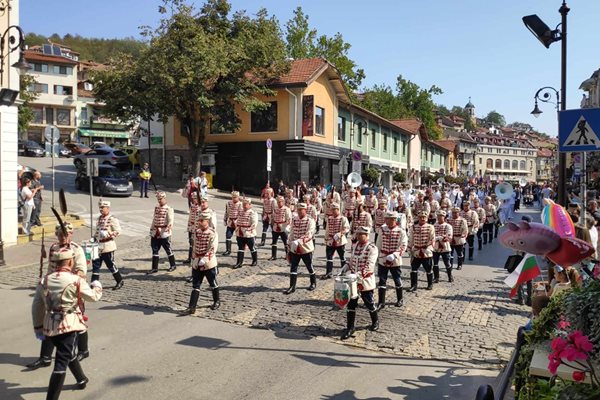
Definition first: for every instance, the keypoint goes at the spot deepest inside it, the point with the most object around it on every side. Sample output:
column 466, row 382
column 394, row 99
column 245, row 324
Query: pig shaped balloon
column 570, row 252
column 530, row 237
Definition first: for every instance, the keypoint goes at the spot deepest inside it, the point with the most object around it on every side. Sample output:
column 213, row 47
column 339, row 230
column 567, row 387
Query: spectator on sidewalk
column 145, row 177
column 37, row 199
column 202, row 183
column 28, row 205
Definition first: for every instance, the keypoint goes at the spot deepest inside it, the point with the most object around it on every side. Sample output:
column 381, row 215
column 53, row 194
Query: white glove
column 390, row 257
column 95, row 284
column 296, row 243
column 103, row 234
column 201, row 262
column 336, row 237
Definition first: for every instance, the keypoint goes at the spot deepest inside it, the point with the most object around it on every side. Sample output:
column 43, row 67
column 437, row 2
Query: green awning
column 104, row 133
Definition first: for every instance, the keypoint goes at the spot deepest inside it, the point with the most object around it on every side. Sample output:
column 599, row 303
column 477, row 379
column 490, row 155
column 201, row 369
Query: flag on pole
column 527, row 270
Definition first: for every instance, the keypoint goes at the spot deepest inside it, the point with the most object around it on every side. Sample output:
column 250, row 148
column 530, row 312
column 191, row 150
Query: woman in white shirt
column 28, row 205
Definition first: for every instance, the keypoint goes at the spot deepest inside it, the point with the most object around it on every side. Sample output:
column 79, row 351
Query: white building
column 507, row 158
column 592, row 87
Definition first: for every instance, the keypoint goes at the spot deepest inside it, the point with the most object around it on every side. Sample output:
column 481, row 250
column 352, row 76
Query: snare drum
column 91, row 250
column 352, row 281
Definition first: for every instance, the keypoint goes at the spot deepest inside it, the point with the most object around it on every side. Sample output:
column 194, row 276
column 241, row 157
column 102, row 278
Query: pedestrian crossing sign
column 579, row 130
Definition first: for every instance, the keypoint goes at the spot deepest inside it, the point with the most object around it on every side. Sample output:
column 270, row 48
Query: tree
column 399, row 177
column 495, row 118
column 464, row 114
column 371, row 175
column 25, row 112
column 304, row 42
column 199, row 64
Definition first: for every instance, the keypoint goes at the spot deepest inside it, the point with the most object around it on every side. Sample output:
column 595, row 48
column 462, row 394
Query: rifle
column 63, row 208
column 42, row 254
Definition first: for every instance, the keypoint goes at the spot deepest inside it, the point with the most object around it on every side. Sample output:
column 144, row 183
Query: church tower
column 470, row 108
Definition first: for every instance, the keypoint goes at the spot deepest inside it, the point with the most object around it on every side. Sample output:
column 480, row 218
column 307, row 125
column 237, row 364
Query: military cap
column 247, row 200
column 68, row 227
column 63, row 254
column 420, row 193
column 391, row 214
column 363, row 229
column 235, row 193
column 423, row 214
column 383, row 201
column 160, row 195
column 203, row 198
column 204, row 215
column 301, row 205
column 103, row 203
column 455, row 208
column 335, row 205
column 441, row 212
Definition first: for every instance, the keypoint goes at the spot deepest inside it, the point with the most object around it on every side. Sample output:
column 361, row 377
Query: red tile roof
column 302, row 72
column 448, row 144
column 411, row 125
column 31, row 55
column 545, row 153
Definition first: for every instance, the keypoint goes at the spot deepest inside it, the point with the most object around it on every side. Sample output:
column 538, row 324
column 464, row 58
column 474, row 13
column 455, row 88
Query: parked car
column 107, row 156
column 133, row 153
column 63, row 151
column 110, row 181
column 77, row 148
column 99, row 145
column 29, row 148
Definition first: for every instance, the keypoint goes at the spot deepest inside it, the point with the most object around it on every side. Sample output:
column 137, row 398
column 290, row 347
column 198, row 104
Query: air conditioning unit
column 207, row 160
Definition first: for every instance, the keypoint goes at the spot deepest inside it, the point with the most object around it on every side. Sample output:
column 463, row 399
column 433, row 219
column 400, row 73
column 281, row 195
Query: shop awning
column 104, row 133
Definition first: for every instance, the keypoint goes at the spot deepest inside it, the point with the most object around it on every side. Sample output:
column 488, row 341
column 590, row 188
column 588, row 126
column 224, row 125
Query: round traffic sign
column 356, row 156
column 51, row 133
column 269, row 144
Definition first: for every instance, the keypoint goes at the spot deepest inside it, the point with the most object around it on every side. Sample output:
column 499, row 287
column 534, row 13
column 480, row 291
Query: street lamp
column 13, row 39
column 548, row 36
column 545, row 94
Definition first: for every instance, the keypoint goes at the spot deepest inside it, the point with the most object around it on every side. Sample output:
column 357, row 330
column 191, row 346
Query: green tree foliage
column 302, row 41
column 408, row 100
column 464, row 114
column 25, row 113
column 495, row 118
column 198, row 64
column 371, row 175
column 96, row 49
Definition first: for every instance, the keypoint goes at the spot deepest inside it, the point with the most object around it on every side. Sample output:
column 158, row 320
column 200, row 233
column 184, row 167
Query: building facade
column 592, row 86
column 509, row 159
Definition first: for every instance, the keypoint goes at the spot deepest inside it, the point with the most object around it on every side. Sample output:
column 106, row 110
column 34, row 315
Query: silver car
column 106, row 156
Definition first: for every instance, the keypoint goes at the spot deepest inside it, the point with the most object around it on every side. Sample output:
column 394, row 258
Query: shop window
column 264, row 120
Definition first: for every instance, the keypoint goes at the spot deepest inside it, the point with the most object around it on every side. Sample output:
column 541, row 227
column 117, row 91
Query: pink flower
column 562, row 324
column 554, row 363
column 581, row 342
column 578, row 376
column 559, row 344
column 572, row 353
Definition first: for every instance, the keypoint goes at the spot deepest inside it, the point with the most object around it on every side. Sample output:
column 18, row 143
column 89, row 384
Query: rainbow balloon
column 557, row 218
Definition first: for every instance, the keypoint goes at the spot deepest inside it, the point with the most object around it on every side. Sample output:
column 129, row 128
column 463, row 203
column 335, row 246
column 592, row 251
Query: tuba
column 504, row 190
column 522, row 182
column 354, row 179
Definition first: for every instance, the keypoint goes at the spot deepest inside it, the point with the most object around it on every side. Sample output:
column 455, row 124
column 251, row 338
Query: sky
column 468, row 48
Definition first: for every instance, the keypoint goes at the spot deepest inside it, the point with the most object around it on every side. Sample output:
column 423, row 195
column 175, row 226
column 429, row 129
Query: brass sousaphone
column 504, row 190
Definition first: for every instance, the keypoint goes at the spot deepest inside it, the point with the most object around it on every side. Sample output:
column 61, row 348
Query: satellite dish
column 504, row 190
column 354, row 179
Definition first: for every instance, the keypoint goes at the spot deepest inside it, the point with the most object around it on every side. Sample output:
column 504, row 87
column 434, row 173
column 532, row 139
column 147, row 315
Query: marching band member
column 301, row 247
column 379, row 217
column 460, row 230
column 245, row 232
column 267, row 217
column 420, row 243
column 107, row 229
column 282, row 218
column 473, row 223
column 161, row 231
column 481, row 217
column 361, row 218
column 335, row 238
column 232, row 209
column 441, row 247
column 490, row 219
column 391, row 243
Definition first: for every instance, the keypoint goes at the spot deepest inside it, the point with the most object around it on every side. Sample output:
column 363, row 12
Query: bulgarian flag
column 525, row 271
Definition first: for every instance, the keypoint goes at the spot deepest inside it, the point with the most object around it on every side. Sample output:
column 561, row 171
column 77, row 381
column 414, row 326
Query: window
column 84, row 116
column 359, row 138
column 38, row 88
column 403, row 148
column 63, row 90
column 506, row 164
column 498, row 164
column 515, row 164
column 395, row 145
column 40, row 67
column 373, row 138
column 38, row 115
column 63, row 116
column 62, row 70
column 49, row 115
column 384, row 138
column 522, row 166
column 480, row 160
column 319, row 120
column 514, row 152
column 498, row 151
column 342, row 129
column 264, row 120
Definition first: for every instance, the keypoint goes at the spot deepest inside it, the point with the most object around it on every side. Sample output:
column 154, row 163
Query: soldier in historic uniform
column 434, row 206
column 311, row 210
column 392, row 244
column 371, row 202
column 420, row 244
column 350, row 203
column 381, row 194
column 335, row 238
column 460, row 230
column 327, row 210
column 192, row 222
column 490, row 219
column 361, row 218
column 445, row 203
column 405, row 216
column 481, row 218
column 245, row 233
column 161, row 231
column 204, row 263
column 420, row 204
column 379, row 217
column 79, row 268
column 290, row 200
column 316, row 201
column 301, row 247
column 269, row 204
column 205, row 208
column 473, row 223
column 232, row 210
column 363, row 258
column 56, row 315
column 282, row 218
column 107, row 229
column 441, row 247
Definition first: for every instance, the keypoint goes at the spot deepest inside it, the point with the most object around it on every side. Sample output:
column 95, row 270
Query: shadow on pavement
column 15, row 391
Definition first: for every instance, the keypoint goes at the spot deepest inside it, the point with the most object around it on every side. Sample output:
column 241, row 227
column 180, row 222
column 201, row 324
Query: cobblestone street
column 469, row 320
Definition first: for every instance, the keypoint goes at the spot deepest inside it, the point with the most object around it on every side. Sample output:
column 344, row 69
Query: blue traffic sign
column 269, row 143
column 578, row 130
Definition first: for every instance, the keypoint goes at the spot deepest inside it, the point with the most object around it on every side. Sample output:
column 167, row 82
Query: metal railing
column 486, row 392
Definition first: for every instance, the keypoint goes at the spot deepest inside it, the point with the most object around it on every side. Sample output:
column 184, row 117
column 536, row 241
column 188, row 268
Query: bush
column 399, row 177
column 371, row 175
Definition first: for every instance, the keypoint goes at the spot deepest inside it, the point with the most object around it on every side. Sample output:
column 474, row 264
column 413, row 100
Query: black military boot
column 216, row 299
column 471, row 249
column 429, row 281
column 172, row 264
column 381, row 298
column 273, row 252
column 193, row 303
column 189, row 259
column 154, row 266
column 55, row 386
column 83, row 351
column 413, row 281
column 449, row 272
column 45, row 359
column 77, row 371
column 399, row 297
column 479, row 247
column 262, row 239
column 329, row 271
column 118, row 280
column 460, row 262
column 240, row 260
column 227, row 247
column 292, row 288
column 436, row 274
column 254, row 255
column 95, row 277
column 374, row 321
column 349, row 331
column 313, row 282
